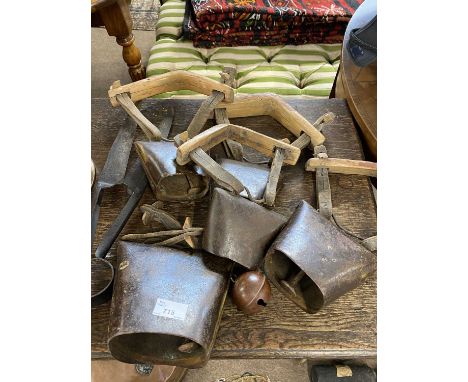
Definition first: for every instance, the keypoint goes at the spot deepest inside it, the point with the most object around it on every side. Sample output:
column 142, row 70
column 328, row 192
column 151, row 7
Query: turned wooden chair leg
column 132, row 56
column 118, row 22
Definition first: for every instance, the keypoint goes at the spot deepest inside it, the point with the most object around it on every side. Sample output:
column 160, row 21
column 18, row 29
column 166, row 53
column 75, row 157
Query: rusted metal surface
column 168, row 180
column 135, row 181
column 239, row 229
column 332, row 263
column 167, row 304
column 252, row 176
column 251, row 292
column 113, row 171
column 102, row 281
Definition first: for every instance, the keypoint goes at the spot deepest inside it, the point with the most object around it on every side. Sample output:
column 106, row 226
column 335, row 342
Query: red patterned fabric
column 267, row 22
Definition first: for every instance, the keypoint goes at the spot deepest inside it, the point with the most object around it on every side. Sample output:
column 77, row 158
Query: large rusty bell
column 251, row 292
column 167, row 304
column 240, row 230
column 313, row 263
column 167, row 179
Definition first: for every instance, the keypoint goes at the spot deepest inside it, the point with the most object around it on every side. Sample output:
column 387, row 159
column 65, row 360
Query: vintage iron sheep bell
column 313, row 263
column 167, row 304
column 239, row 229
column 168, row 180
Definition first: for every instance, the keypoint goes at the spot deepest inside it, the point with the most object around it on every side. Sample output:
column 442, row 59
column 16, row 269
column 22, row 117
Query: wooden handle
column 272, row 184
column 151, row 131
column 219, row 133
column 168, row 82
column 275, row 107
column 221, row 176
column 343, row 166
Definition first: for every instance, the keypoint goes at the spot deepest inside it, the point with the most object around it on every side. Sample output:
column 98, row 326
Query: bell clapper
column 292, row 282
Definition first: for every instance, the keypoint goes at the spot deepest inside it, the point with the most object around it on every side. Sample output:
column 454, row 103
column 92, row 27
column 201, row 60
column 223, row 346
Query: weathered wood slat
column 219, row 133
column 346, row 329
column 273, row 177
column 168, row 82
column 203, row 113
column 275, row 107
column 151, row 131
column 343, row 166
column 224, row 178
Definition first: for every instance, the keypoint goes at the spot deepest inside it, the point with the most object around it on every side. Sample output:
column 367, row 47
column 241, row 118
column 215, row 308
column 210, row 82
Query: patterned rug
column 145, row 13
column 212, row 23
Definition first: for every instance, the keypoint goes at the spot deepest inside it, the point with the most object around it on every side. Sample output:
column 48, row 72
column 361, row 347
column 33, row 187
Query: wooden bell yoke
column 245, row 106
column 168, row 82
column 274, row 106
column 194, row 149
column 222, row 105
column 219, row 133
column 126, row 95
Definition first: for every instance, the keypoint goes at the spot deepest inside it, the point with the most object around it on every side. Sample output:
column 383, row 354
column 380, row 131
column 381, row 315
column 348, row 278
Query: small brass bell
column 251, row 292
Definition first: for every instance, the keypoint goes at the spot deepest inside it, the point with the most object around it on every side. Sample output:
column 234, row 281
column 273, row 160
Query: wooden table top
column 346, row 329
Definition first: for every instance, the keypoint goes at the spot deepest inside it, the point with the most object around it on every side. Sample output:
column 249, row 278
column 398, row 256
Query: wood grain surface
column 344, row 330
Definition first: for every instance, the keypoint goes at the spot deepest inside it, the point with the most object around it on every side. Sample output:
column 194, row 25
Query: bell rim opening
column 272, row 256
column 122, row 351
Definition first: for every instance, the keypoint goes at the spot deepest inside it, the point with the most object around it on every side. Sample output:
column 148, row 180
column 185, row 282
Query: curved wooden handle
column 168, row 82
column 151, row 131
column 219, row 133
column 275, row 107
column 343, row 166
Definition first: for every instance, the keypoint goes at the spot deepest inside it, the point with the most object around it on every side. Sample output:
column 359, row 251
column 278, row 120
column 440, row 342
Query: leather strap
column 224, row 178
column 272, row 184
column 322, row 185
column 203, row 113
column 150, row 130
column 233, row 149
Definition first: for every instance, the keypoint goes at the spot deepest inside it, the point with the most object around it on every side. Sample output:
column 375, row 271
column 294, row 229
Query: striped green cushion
column 298, row 71
column 171, row 18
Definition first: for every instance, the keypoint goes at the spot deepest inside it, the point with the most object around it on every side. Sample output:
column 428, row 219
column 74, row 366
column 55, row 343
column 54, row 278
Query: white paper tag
column 170, row 309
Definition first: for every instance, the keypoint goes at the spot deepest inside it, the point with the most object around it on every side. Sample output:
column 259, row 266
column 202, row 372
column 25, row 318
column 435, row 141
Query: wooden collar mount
column 126, row 95
column 221, row 104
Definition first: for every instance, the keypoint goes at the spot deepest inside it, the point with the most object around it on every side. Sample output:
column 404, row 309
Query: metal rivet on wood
column 322, row 185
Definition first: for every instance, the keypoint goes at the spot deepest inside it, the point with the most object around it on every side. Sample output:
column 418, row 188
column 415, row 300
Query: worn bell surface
column 239, row 229
column 167, row 304
column 251, row 292
column 252, row 176
column 313, row 263
column 168, row 180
